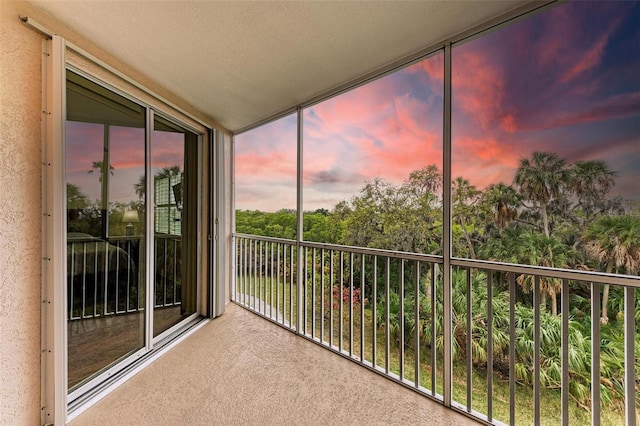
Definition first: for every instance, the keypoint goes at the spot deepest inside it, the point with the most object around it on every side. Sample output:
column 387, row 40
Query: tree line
column 554, row 214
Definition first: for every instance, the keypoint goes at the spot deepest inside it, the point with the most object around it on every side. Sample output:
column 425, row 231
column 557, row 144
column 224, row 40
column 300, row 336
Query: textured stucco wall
column 20, row 199
column 20, row 210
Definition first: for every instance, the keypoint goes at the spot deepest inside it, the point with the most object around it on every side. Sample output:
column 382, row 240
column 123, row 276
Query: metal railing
column 385, row 311
column 168, row 270
column 103, row 276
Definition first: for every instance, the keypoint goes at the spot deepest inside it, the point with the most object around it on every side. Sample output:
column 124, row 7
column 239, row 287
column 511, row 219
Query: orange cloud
column 478, row 86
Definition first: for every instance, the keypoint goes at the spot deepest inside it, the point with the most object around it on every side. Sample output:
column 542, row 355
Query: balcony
column 259, row 374
column 262, row 372
column 509, row 358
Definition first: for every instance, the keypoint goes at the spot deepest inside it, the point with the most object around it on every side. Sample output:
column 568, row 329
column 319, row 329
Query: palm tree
column 500, row 203
column 141, row 187
column 614, row 241
column 76, row 199
column 541, row 179
column 99, row 165
column 533, row 248
column 170, row 171
column 463, row 197
column 590, row 181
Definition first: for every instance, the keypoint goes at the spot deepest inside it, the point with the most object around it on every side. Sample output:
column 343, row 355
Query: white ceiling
column 240, row 62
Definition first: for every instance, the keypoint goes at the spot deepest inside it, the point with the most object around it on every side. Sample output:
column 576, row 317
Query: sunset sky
column 127, row 156
column 566, row 80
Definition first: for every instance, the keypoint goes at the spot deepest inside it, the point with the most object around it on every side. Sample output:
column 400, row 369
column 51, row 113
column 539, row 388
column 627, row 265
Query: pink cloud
column 592, row 56
column 478, row 86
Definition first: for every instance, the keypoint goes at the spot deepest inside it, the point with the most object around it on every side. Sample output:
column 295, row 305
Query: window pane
column 546, row 141
column 546, row 165
column 105, row 155
column 265, row 179
column 174, row 165
column 373, row 163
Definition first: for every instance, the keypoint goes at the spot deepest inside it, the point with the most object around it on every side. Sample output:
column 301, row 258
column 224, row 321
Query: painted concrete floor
column 243, row 370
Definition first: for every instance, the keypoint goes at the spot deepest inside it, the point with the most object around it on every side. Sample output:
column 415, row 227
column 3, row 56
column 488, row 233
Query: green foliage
column 554, row 214
column 281, row 224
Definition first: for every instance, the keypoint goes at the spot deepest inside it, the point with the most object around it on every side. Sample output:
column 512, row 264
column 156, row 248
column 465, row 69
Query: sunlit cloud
column 564, row 80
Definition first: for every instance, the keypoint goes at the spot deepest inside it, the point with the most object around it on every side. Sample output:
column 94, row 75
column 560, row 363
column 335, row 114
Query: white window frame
column 55, row 397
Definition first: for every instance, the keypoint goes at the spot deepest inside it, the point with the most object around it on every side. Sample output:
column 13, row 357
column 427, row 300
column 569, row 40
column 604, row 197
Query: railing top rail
column 376, row 252
column 351, row 249
column 571, row 274
column 359, row 250
column 263, row 238
column 578, row 275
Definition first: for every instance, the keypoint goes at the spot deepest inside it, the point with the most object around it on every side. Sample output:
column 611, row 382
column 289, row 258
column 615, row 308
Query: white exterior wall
column 20, row 218
column 21, row 205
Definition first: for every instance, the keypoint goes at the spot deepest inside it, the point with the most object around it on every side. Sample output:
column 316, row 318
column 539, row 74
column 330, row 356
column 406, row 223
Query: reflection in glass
column 265, row 179
column 105, row 152
column 174, row 168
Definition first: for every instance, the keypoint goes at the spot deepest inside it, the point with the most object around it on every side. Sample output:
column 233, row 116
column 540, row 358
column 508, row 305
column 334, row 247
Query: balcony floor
column 241, row 369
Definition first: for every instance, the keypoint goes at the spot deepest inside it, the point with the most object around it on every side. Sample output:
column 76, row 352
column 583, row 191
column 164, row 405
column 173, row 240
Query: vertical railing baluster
column 237, row 253
column 272, row 282
column 95, row 281
column 245, row 271
column 416, row 316
column 313, row 293
column 351, row 304
column 175, row 270
column 565, row 352
column 536, row 350
column 291, row 267
column 255, row 277
column 305, row 292
column 331, row 285
column 595, row 354
column 117, row 274
column 84, row 278
column 240, row 264
column 284, row 283
column 401, row 318
column 278, row 308
column 434, row 352
column 106, row 278
column 374, row 300
column 322, row 295
column 72, row 280
column 629, row 356
column 268, row 278
column 362, row 291
column 469, row 342
column 489, row 346
column 164, row 285
column 263, row 277
column 250, row 272
column 512, row 349
column 340, row 313
column 386, row 316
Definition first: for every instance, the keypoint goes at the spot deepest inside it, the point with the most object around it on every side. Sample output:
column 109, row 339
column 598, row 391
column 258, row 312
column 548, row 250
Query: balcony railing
column 503, row 354
column 103, row 276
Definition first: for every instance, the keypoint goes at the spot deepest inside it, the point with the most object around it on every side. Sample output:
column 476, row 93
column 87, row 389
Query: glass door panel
column 105, row 162
column 174, row 168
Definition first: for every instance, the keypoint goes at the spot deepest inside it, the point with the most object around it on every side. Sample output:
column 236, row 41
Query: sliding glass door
column 112, row 146
column 105, row 158
column 175, row 182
